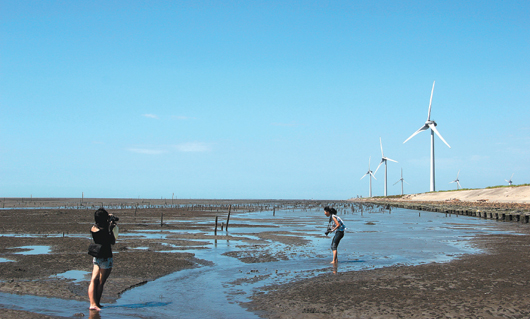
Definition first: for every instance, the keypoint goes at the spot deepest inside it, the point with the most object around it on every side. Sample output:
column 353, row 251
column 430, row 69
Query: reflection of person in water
column 103, row 235
column 94, row 315
column 335, row 225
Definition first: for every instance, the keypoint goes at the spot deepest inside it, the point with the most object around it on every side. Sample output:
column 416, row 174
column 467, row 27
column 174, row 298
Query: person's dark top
column 105, row 239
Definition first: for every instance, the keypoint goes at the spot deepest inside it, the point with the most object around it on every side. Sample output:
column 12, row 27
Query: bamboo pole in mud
column 161, row 219
column 215, row 225
column 228, row 219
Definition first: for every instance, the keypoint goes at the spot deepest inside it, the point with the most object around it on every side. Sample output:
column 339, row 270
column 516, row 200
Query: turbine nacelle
column 431, row 123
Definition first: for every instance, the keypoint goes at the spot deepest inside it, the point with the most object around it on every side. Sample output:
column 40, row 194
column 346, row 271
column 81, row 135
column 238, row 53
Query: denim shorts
column 103, row 263
column 336, row 239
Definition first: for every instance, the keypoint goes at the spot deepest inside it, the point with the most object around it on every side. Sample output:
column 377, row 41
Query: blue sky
column 259, row 99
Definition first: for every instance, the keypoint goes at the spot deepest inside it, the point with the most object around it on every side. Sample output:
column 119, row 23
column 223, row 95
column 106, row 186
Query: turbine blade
column 378, row 166
column 433, row 127
column 388, row 159
column 364, row 176
column 457, row 174
column 381, row 143
column 421, row 129
column 406, row 182
column 373, row 176
column 430, row 103
column 459, row 184
column 397, row 182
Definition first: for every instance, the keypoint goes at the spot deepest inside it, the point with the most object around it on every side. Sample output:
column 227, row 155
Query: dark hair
column 101, row 217
column 330, row 210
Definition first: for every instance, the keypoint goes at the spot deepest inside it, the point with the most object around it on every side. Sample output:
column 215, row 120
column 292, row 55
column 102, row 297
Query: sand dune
column 520, row 194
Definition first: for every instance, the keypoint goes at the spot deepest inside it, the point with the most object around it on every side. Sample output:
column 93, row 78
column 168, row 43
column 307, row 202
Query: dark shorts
column 336, row 239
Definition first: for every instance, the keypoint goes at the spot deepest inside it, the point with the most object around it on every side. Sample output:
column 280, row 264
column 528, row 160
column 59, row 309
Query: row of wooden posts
column 227, row 220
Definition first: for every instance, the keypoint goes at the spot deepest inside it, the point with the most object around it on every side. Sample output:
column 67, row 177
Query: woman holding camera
column 103, row 235
column 335, row 225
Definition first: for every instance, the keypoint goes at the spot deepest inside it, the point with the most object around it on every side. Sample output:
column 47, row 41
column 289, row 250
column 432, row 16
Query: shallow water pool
column 372, row 240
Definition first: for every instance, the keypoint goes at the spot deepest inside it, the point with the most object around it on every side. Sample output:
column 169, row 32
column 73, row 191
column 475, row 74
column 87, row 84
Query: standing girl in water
column 103, row 235
column 335, row 225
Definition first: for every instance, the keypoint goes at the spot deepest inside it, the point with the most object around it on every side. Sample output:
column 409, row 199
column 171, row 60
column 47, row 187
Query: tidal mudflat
column 273, row 262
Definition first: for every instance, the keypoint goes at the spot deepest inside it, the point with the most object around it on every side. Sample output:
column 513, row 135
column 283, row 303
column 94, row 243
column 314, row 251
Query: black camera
column 113, row 218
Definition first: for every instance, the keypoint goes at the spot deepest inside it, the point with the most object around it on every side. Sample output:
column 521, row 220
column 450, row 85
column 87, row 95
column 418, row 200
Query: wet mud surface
column 488, row 285
column 62, row 236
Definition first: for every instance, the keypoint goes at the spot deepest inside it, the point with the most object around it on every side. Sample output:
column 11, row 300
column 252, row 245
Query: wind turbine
column 457, row 181
column 370, row 173
column 510, row 181
column 432, row 125
column 401, row 180
column 383, row 159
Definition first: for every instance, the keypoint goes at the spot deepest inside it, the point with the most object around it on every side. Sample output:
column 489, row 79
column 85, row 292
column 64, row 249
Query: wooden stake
column 228, row 219
column 216, row 225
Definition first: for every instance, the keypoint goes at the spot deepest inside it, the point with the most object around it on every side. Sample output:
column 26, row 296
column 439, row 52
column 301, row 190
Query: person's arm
column 111, row 237
column 336, row 222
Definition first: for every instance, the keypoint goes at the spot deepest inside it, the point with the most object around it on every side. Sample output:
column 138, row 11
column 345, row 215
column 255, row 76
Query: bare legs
column 335, row 259
column 95, row 289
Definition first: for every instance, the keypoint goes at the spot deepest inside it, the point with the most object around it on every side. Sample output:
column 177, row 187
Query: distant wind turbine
column 432, row 125
column 457, row 181
column 401, row 180
column 370, row 173
column 510, row 181
column 383, row 160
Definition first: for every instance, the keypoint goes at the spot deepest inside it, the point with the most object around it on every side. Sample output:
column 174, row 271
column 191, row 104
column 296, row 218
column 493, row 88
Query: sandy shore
column 511, row 195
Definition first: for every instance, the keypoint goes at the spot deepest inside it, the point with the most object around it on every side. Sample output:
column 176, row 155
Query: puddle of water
column 33, row 250
column 75, row 275
column 372, row 240
column 4, row 260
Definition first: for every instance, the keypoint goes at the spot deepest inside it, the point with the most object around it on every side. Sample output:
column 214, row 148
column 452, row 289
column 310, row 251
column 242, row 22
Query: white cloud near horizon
column 193, row 147
column 151, row 116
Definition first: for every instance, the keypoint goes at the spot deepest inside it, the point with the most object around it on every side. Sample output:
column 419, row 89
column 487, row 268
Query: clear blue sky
column 259, row 99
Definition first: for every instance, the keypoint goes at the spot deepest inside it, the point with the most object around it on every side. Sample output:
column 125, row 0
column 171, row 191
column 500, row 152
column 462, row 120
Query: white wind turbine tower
column 457, row 181
column 370, row 173
column 401, row 180
column 432, row 125
column 510, row 181
column 383, row 159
